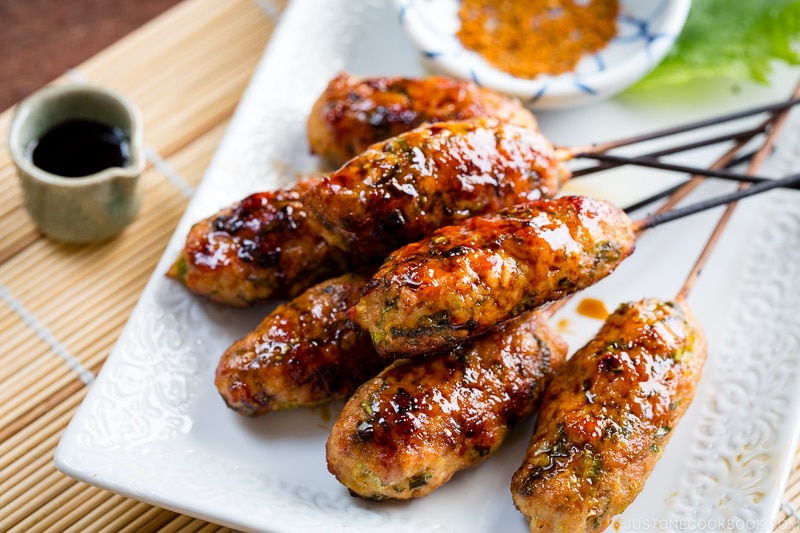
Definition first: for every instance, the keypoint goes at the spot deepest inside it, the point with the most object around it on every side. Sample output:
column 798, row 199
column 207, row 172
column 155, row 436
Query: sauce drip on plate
column 592, row 308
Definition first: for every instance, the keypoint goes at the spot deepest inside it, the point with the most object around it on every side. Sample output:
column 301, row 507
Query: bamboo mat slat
column 128, row 515
column 62, row 307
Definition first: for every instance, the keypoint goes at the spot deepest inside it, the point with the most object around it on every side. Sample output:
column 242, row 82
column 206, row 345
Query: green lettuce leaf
column 736, row 39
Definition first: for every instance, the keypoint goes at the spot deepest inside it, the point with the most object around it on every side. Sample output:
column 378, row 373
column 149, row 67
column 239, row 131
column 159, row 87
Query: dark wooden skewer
column 652, row 160
column 657, row 219
column 569, row 153
column 696, row 180
column 644, row 202
column 672, row 191
column 708, row 172
column 745, row 135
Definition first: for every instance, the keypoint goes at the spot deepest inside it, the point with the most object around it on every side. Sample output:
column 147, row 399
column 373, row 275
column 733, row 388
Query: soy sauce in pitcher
column 80, row 147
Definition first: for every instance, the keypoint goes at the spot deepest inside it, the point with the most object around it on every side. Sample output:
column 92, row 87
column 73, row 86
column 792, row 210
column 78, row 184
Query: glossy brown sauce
column 563, row 326
column 592, row 308
column 77, row 148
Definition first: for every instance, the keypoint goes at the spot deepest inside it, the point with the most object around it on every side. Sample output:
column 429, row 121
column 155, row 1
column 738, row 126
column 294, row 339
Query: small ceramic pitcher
column 86, row 208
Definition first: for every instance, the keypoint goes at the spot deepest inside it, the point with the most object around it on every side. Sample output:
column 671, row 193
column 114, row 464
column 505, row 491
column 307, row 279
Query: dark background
column 42, row 39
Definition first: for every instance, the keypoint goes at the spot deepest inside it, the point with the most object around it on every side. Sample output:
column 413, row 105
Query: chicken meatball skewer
column 306, row 352
column 353, row 113
column 607, row 415
column 405, row 432
column 462, row 280
column 401, row 189
column 260, row 249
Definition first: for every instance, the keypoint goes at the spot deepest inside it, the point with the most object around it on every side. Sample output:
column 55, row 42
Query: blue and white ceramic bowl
column 646, row 30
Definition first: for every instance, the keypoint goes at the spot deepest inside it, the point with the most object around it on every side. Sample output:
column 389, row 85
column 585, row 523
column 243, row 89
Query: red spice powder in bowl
column 550, row 53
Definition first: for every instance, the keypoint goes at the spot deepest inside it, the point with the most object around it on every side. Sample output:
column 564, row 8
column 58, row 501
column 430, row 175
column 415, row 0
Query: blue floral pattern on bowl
column 646, row 30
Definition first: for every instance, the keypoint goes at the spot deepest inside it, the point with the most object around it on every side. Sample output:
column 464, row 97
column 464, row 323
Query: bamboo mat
column 60, row 304
column 62, row 307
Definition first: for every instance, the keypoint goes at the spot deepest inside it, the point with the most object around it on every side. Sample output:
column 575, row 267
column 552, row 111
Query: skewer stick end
column 565, row 154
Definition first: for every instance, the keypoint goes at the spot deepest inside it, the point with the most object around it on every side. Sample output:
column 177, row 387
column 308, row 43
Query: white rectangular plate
column 153, row 427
